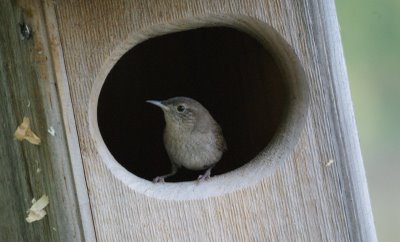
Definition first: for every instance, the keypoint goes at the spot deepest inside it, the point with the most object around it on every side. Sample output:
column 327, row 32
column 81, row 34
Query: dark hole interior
column 226, row 70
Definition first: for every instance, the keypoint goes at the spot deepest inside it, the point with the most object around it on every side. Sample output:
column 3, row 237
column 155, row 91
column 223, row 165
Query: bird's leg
column 206, row 174
column 174, row 170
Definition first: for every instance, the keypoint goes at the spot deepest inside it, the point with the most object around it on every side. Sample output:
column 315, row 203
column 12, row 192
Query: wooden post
column 33, row 85
column 306, row 184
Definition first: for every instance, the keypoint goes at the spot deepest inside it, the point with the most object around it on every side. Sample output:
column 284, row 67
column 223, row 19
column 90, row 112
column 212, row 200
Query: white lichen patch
column 24, row 132
column 37, row 212
column 330, row 162
column 51, row 131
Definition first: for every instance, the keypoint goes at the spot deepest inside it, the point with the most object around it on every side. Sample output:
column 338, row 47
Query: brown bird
column 192, row 138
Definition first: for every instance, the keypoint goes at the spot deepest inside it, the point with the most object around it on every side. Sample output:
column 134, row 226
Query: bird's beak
column 159, row 104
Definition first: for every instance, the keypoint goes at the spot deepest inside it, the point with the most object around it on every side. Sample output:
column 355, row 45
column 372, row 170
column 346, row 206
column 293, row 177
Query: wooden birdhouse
column 75, row 76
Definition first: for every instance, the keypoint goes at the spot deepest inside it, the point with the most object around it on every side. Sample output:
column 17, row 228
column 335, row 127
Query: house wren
column 192, row 138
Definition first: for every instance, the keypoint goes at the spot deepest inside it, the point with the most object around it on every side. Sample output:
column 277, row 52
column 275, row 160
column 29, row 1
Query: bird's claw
column 159, row 179
column 204, row 177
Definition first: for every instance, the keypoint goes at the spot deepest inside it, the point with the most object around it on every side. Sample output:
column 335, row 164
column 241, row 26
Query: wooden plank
column 303, row 199
column 29, row 88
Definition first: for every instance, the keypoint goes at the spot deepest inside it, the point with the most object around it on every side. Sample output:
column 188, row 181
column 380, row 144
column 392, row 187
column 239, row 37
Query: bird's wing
column 220, row 140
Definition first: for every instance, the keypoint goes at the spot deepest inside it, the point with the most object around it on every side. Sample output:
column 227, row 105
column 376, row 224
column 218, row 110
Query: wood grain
column 28, row 88
column 302, row 199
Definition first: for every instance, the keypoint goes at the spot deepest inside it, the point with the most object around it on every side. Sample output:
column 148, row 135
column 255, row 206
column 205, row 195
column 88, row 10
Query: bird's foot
column 205, row 176
column 159, row 179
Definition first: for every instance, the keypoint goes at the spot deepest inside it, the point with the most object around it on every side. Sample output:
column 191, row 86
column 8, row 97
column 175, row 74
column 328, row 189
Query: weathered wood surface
column 29, row 86
column 303, row 200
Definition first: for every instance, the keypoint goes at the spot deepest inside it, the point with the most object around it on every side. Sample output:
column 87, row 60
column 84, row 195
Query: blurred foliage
column 370, row 32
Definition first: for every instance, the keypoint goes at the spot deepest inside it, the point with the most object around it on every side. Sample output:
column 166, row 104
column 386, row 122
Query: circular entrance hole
column 228, row 71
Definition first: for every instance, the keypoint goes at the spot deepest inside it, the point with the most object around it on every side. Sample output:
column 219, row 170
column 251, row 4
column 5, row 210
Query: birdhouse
column 75, row 77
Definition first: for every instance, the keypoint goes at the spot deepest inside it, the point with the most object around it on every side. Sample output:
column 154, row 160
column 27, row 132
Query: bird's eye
column 180, row 108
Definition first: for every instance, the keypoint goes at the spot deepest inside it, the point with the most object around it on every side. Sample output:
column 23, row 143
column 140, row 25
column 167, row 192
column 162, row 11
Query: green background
column 370, row 31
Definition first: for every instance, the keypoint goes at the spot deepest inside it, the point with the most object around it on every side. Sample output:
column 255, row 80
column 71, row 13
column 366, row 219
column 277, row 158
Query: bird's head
column 181, row 111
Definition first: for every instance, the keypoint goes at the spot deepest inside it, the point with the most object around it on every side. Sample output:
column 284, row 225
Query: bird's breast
column 192, row 150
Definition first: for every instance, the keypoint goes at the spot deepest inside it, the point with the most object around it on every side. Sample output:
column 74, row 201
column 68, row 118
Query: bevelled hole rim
column 228, row 71
column 264, row 163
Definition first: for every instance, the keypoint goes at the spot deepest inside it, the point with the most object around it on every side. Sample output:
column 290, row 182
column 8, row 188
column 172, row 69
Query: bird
column 192, row 138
